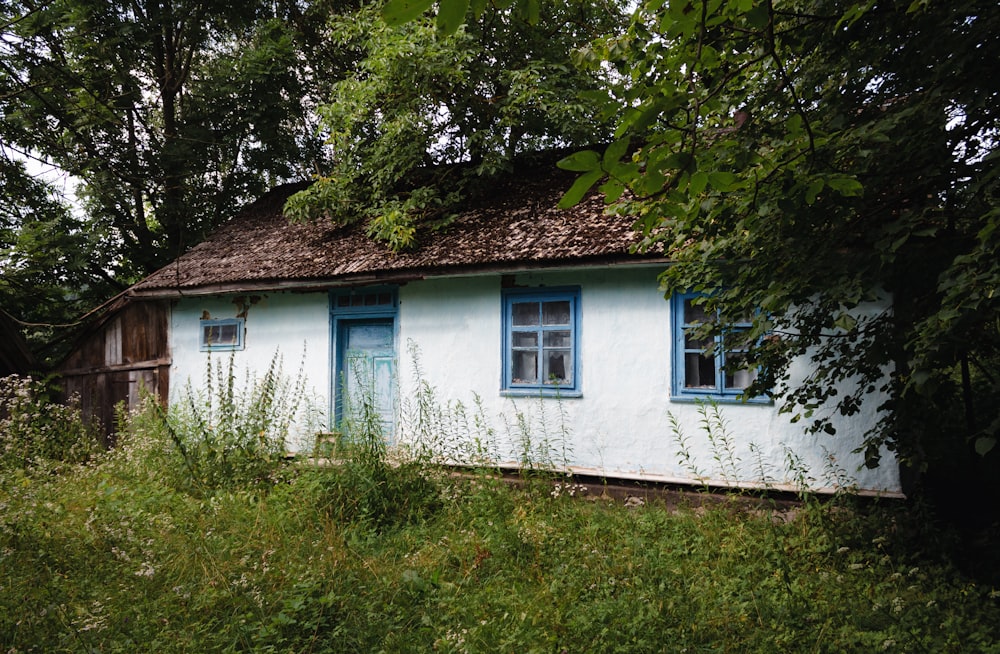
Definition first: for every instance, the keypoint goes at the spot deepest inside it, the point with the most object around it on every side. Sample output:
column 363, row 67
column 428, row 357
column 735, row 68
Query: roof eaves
column 397, row 276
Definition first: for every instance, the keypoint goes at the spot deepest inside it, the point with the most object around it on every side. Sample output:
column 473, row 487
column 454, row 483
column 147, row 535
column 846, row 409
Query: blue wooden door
column 366, row 372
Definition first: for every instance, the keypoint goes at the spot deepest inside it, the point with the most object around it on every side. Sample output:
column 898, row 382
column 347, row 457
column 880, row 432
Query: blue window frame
column 368, row 300
column 224, row 335
column 541, row 352
column 699, row 365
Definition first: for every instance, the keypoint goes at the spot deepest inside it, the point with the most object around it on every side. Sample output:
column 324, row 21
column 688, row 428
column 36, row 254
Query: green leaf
column 615, row 152
column 846, row 186
column 813, row 190
column 397, row 12
column 674, row 160
column 985, row 444
column 794, row 124
column 854, row 12
column 451, row 15
column 652, row 182
column 612, row 190
column 478, row 7
column 759, row 17
column 699, row 181
column 581, row 162
column 532, row 11
column 846, row 321
column 722, row 181
column 580, row 187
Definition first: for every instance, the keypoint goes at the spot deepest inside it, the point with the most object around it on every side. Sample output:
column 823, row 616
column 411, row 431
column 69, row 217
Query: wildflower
column 146, row 570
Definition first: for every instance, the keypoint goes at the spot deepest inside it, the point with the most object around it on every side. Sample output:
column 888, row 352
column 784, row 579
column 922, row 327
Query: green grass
column 112, row 557
column 141, row 550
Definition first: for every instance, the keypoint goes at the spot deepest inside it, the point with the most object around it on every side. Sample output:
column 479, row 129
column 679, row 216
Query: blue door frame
column 364, row 332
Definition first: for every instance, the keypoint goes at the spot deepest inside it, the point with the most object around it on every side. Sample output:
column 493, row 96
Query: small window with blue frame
column 708, row 367
column 541, row 336
column 224, row 335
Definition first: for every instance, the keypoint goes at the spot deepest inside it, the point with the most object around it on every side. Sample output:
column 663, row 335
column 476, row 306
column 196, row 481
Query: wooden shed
column 124, row 353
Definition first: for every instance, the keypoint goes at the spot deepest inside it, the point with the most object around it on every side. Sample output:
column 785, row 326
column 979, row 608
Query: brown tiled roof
column 518, row 227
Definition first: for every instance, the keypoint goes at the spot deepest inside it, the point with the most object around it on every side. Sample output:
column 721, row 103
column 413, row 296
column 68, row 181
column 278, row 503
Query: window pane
column 557, row 339
column 558, row 368
column 525, row 313
column 555, row 313
column 692, row 343
column 694, row 312
column 369, row 337
column 525, row 339
column 226, row 334
column 699, row 370
column 525, row 367
column 741, row 378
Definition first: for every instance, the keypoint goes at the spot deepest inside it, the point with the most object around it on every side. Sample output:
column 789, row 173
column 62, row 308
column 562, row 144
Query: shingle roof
column 518, row 227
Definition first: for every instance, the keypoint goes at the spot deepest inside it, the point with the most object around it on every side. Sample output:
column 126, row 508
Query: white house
column 521, row 332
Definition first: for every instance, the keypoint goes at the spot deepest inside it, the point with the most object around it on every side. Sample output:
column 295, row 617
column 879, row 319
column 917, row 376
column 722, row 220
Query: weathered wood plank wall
column 122, row 356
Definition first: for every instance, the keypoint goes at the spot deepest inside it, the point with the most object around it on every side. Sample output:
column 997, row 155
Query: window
column 541, row 335
column 700, row 363
column 226, row 335
column 364, row 300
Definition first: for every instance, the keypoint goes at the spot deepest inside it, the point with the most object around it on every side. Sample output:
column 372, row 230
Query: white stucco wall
column 624, row 423
column 293, row 326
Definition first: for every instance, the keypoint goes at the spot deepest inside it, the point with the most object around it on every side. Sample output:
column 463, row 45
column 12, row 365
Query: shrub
column 35, row 431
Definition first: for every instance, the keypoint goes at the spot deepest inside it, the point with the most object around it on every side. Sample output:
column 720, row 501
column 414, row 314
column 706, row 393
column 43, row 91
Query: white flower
column 146, row 570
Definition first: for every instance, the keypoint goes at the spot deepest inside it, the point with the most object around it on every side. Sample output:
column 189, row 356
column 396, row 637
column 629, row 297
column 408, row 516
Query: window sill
column 695, row 398
column 540, row 392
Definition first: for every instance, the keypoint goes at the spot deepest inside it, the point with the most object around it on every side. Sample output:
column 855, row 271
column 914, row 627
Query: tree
column 51, row 275
column 171, row 113
column 801, row 160
column 428, row 117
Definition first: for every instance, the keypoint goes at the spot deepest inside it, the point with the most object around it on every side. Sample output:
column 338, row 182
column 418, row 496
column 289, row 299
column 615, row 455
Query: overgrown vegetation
column 37, row 432
column 235, row 434
column 117, row 553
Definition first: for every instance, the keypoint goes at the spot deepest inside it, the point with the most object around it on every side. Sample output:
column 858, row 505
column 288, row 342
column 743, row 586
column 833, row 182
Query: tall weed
column 232, row 434
column 368, row 486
